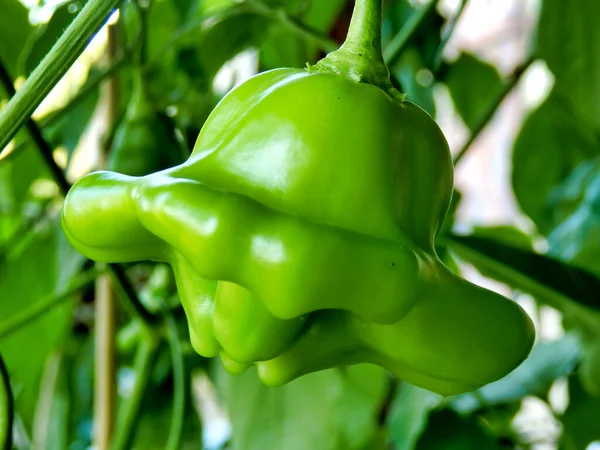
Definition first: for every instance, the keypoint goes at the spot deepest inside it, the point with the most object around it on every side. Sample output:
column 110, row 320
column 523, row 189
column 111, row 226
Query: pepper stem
column 360, row 58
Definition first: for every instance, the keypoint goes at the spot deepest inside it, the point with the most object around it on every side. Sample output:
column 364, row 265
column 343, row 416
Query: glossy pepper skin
column 301, row 232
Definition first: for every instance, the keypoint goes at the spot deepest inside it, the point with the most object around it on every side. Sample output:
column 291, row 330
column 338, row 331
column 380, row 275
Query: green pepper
column 144, row 142
column 301, row 230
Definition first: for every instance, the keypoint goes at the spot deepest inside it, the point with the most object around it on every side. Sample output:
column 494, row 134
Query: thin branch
column 38, row 309
column 301, row 30
column 53, row 67
column 437, row 59
column 399, row 42
column 105, row 370
column 179, row 383
column 144, row 364
column 489, row 113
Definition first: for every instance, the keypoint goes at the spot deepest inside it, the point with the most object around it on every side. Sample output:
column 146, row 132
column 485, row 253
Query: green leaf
column 43, row 38
column 41, row 266
column 580, row 420
column 6, row 408
column 282, row 48
column 547, row 362
column 331, row 409
column 449, row 431
column 568, row 38
column 560, row 284
column 473, row 86
column 14, row 30
column 577, row 238
column 409, row 415
column 233, row 33
column 416, row 79
column 550, row 134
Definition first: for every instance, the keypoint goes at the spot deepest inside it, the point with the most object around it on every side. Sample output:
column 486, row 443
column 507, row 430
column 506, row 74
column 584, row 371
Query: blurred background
column 515, row 87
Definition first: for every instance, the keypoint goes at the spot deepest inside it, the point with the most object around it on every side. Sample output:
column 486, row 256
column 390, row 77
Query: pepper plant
column 313, row 292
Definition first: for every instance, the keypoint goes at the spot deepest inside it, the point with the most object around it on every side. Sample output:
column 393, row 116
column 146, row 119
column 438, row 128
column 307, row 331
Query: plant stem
column 54, row 65
column 28, row 315
column 489, row 113
column 35, row 133
column 104, row 306
column 144, row 363
column 360, row 57
column 399, row 43
column 180, row 383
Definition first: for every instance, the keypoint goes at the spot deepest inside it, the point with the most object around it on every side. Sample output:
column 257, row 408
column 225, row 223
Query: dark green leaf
column 409, row 415
column 550, row 134
column 542, row 276
column 14, row 30
column 449, row 431
column 568, row 39
column 6, row 408
column 547, row 362
column 331, row 409
column 282, row 48
column 473, row 86
column 580, row 420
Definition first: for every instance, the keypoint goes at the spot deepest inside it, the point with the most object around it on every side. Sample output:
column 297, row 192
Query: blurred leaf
column 331, row 409
column 580, row 420
column 473, row 86
column 547, row 362
column 51, row 423
column 41, row 266
column 568, row 38
column 282, row 48
column 449, row 431
column 409, row 415
column 505, row 234
column 231, row 34
column 14, row 30
column 154, row 424
column 550, row 134
column 6, row 408
column 577, row 238
column 589, row 370
column 416, row 80
column 43, row 38
column 68, row 130
column 548, row 279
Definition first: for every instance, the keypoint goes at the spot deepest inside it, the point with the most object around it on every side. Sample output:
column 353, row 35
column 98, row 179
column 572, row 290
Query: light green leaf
column 473, row 86
column 409, row 415
column 580, row 420
column 568, row 38
column 553, row 135
column 41, row 266
column 328, row 410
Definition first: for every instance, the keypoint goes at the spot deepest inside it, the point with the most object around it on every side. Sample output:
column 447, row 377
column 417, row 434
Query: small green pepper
column 301, row 230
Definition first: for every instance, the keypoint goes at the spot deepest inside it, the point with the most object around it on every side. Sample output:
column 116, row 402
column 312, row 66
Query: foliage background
column 516, row 93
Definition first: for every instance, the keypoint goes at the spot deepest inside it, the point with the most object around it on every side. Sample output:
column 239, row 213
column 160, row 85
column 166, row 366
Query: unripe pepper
column 301, row 230
column 144, row 142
